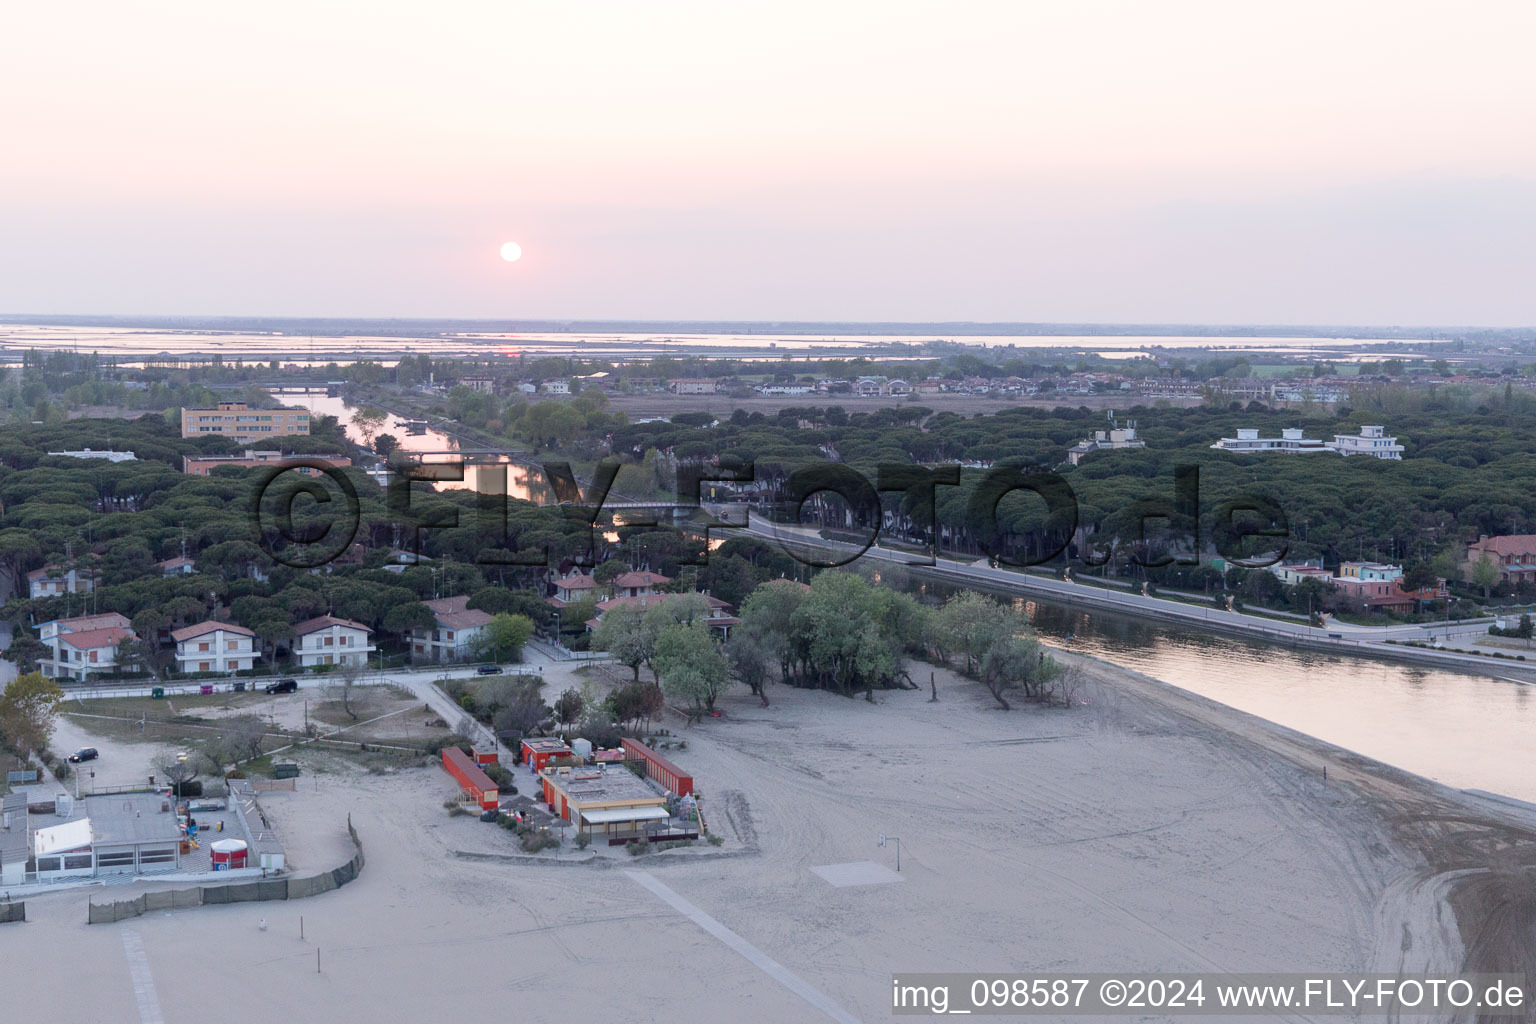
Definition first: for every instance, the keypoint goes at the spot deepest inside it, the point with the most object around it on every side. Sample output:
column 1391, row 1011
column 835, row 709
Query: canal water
column 1467, row 731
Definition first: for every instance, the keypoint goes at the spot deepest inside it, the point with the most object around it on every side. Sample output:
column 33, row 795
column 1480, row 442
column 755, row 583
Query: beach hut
column 227, row 854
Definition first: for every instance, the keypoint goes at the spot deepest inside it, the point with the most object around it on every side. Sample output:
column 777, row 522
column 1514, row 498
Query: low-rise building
column 457, row 631
column 1513, row 554
column 1105, row 440
column 638, row 584
column 88, row 635
column 604, row 802
column 124, row 834
column 181, row 565
column 575, row 586
column 327, row 640
column 212, row 646
column 555, row 387
column 692, row 386
column 88, row 453
column 202, row 465
column 55, row 580
column 485, row 385
column 1372, row 441
column 1290, row 440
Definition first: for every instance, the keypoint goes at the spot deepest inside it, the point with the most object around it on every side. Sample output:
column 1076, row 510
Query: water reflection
column 1468, row 731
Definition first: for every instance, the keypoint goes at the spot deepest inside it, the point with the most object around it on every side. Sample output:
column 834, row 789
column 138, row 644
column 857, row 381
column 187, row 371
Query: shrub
column 450, row 804
column 533, row 842
column 635, row 848
column 583, row 841
column 457, row 811
column 61, row 770
column 498, row 775
column 714, row 840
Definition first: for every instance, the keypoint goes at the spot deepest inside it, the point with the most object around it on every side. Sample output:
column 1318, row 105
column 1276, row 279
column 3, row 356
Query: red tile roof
column 455, row 613
column 109, row 636
column 205, row 627
column 325, row 622
column 641, row 579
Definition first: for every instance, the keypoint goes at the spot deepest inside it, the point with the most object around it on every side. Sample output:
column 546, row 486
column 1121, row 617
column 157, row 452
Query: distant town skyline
column 1187, row 162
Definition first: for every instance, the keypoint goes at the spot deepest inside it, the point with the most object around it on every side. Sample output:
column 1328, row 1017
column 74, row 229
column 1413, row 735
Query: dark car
column 84, row 754
column 283, row 686
column 489, row 670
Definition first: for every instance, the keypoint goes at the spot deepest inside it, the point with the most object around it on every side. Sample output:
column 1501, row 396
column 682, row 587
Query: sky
column 1337, row 162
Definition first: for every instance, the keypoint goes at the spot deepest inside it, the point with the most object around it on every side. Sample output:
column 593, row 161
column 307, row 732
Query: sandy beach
column 1146, row 830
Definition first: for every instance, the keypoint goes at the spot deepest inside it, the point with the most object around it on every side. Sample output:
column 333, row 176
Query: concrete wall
column 246, row 892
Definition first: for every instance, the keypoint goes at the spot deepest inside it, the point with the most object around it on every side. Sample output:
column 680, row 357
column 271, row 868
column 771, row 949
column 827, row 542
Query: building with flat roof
column 1372, row 441
column 87, row 453
column 239, row 421
column 604, row 801
column 123, row 834
column 1290, row 440
column 202, row 465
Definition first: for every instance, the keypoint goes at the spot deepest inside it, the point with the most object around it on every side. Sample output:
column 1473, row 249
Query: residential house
column 1105, row 440
column 692, row 386
column 486, row 385
column 181, row 565
column 718, row 617
column 54, row 580
column 1513, row 554
column 328, row 640
column 455, row 634
column 638, row 584
column 570, row 588
column 82, row 645
column 213, row 646
column 555, row 387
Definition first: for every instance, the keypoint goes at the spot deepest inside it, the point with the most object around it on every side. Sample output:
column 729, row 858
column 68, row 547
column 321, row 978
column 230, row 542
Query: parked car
column 283, row 686
column 84, row 754
column 489, row 670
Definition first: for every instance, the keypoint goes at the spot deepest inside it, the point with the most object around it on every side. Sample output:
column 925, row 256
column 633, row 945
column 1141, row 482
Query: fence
column 244, row 892
column 12, row 912
column 270, row 785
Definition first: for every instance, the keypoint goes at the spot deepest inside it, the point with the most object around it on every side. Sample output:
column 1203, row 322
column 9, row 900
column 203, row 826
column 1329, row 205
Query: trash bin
column 239, row 687
column 206, row 689
column 157, row 693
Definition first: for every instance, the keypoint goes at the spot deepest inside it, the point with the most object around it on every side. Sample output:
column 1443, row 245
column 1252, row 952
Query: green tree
column 623, row 633
column 28, row 709
column 689, row 665
column 1485, row 573
column 1016, row 664
column 504, row 636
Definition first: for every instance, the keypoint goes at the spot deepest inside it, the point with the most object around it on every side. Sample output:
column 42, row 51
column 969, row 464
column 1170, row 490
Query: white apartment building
column 454, row 637
column 328, row 640
column 1372, row 441
column 212, row 646
column 83, row 645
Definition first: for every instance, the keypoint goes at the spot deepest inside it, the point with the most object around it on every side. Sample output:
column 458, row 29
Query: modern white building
column 1290, row 440
column 328, row 640
column 1372, row 441
column 87, row 453
column 556, row 387
column 454, row 637
column 212, row 646
column 1105, row 440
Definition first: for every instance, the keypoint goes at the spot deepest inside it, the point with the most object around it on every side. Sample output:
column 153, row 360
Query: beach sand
column 1146, row 830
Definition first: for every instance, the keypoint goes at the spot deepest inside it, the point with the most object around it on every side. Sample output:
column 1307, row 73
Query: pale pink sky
column 1086, row 160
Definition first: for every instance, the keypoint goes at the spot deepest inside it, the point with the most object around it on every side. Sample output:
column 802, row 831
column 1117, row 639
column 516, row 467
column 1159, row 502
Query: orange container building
column 658, row 768
column 475, row 782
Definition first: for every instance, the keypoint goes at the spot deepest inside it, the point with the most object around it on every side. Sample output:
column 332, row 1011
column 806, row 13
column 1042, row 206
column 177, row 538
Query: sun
column 511, row 252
